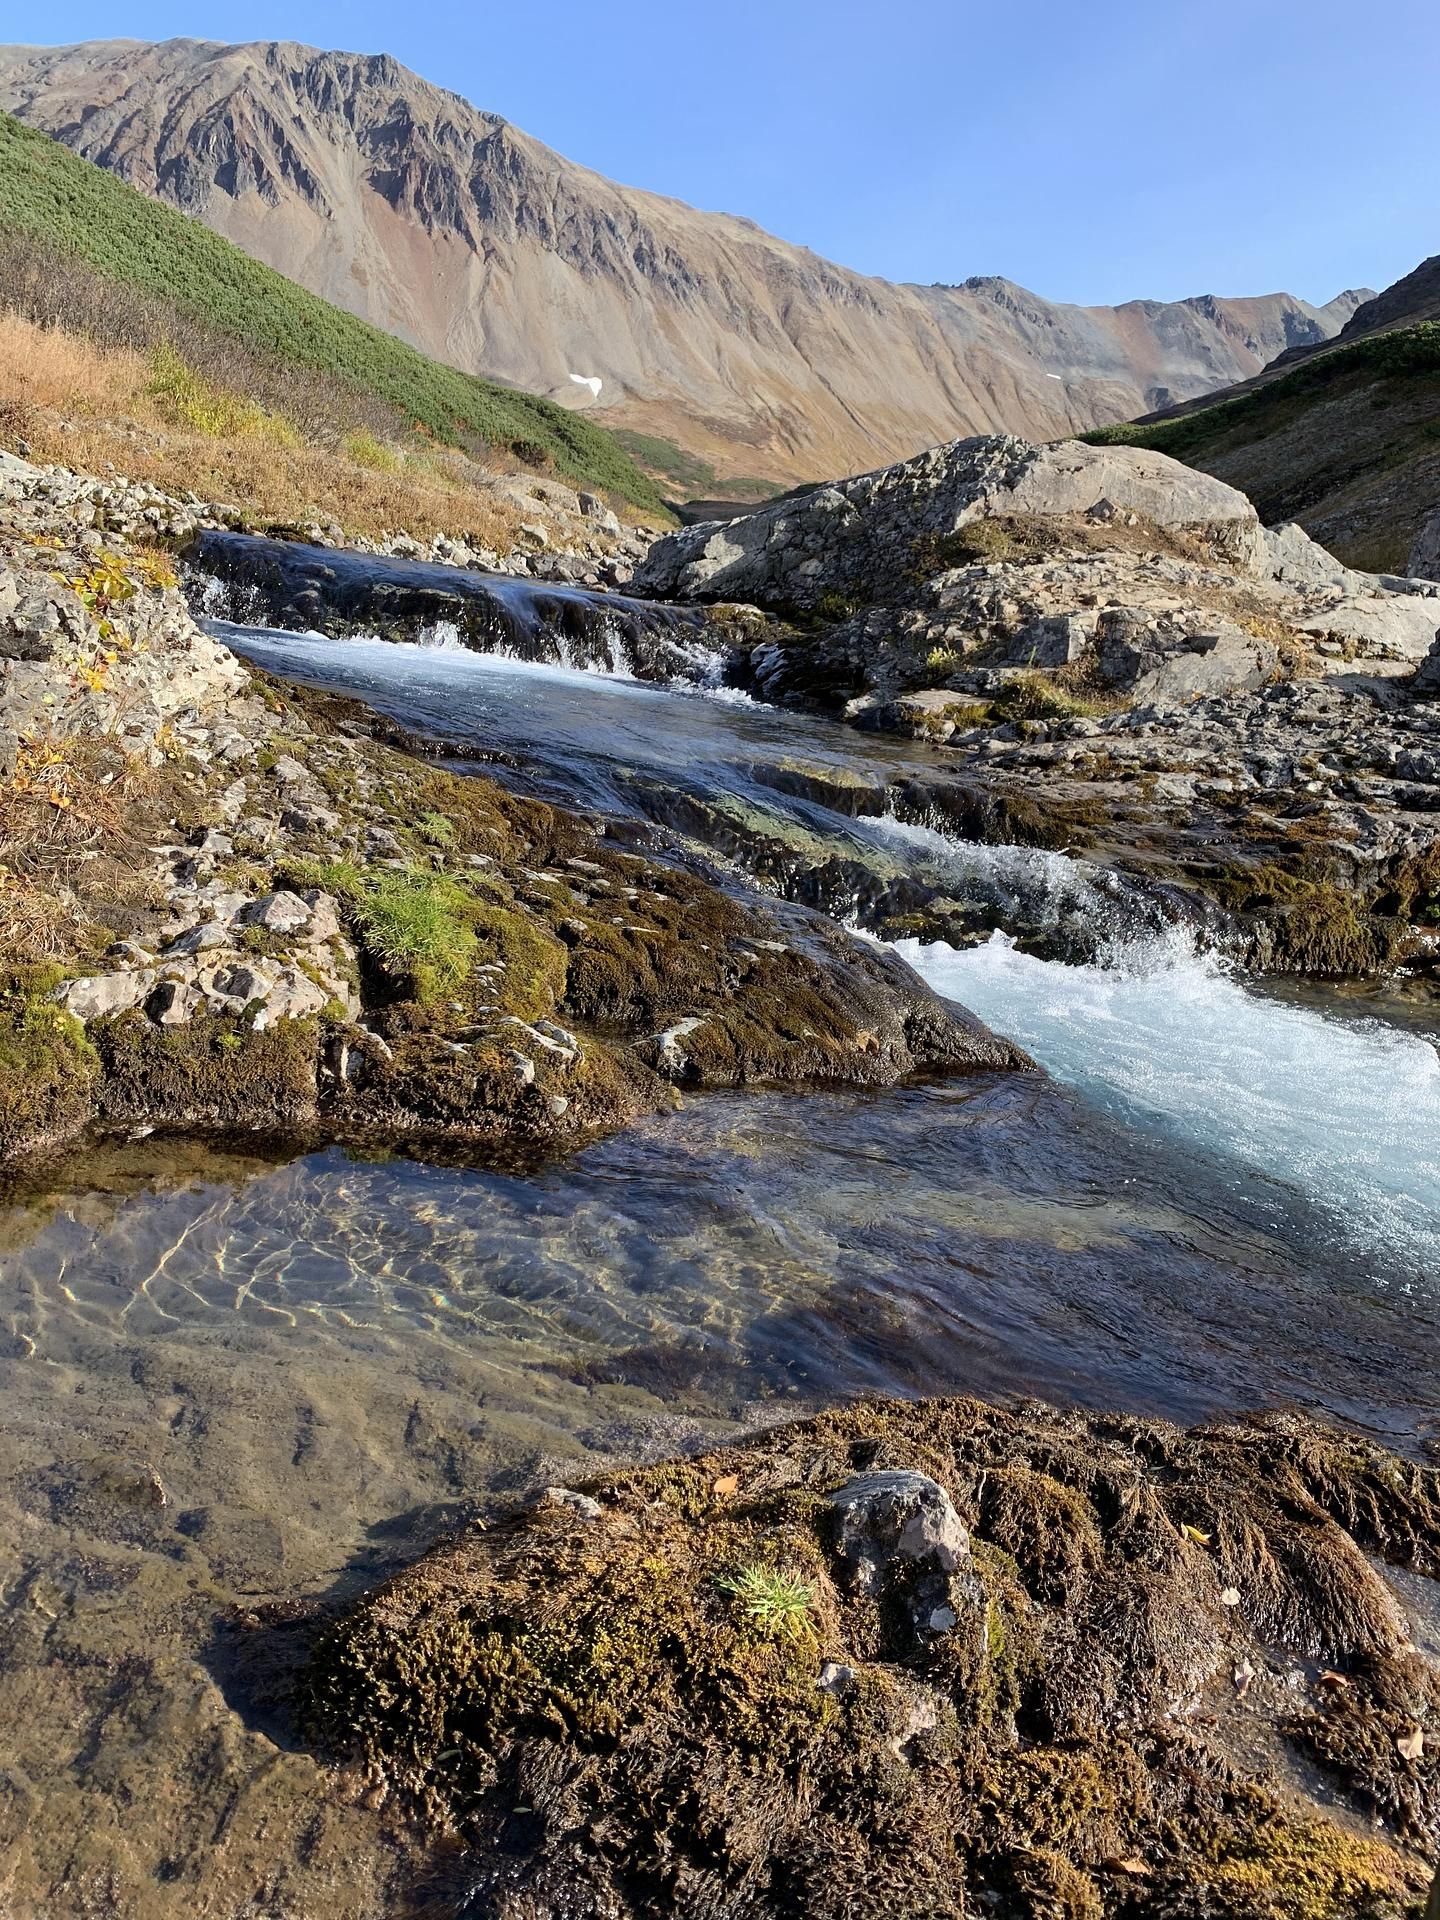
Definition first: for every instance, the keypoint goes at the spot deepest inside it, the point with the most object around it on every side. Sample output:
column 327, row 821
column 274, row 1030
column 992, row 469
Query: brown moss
column 670, row 1760
column 1308, row 920
column 213, row 1069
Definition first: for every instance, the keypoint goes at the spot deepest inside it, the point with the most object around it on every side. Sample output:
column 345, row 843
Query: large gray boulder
column 868, row 539
column 1296, row 560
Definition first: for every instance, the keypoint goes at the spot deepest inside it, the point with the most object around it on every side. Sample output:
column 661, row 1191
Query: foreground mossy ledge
column 1169, row 1673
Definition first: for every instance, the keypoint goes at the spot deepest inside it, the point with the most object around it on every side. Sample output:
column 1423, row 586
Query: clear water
column 1220, row 1200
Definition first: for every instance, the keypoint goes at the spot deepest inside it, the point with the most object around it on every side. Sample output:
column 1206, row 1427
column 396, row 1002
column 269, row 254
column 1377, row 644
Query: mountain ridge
column 453, row 228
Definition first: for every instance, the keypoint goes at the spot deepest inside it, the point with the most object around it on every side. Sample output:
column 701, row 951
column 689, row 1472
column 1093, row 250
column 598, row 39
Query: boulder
column 882, row 1518
column 278, row 913
column 1425, row 684
column 1384, row 625
column 100, row 994
column 1296, row 560
column 864, row 538
column 1167, row 659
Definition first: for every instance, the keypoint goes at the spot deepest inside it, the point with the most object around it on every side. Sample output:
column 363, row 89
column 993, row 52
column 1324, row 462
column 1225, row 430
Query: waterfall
column 286, row 584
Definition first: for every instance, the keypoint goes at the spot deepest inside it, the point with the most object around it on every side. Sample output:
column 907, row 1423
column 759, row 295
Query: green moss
column 1313, row 923
column 535, row 959
column 48, row 1066
column 340, row 878
column 1302, row 1870
column 215, row 1069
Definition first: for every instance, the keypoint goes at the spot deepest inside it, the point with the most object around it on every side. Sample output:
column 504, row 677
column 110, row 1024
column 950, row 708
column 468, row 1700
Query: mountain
column 1344, row 438
column 454, row 230
column 93, row 244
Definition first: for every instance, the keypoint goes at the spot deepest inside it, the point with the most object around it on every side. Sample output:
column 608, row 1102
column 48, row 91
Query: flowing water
column 244, row 1371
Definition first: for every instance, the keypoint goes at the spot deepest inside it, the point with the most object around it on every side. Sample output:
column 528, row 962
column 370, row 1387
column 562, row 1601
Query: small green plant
column 1037, row 695
column 436, row 829
column 412, row 922
column 185, row 400
column 776, row 1604
column 942, row 660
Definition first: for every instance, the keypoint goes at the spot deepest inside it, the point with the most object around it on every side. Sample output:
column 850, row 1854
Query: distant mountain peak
column 456, row 230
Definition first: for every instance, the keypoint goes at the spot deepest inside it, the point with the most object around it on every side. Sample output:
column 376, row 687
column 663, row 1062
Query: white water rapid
column 1347, row 1111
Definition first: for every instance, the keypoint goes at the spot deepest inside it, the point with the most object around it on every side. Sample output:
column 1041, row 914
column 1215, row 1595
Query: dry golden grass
column 120, row 410
column 35, row 924
column 71, row 799
column 76, row 821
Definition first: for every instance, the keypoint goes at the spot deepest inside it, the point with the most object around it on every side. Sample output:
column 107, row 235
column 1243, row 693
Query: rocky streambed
column 402, row 856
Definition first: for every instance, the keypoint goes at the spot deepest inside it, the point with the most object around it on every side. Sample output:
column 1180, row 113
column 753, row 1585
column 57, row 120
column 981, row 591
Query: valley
column 728, row 1214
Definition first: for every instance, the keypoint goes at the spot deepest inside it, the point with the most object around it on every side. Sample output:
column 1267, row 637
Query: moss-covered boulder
column 1179, row 1680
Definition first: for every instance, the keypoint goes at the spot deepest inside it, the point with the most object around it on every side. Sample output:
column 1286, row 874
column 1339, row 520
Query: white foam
column 1052, row 884
column 439, row 655
column 1347, row 1111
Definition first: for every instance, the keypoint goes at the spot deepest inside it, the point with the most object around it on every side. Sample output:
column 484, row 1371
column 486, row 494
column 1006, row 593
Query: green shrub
column 362, row 449
column 185, row 400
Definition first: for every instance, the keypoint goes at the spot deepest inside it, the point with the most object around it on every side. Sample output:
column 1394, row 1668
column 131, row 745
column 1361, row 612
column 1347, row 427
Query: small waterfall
column 282, row 583
column 1054, row 903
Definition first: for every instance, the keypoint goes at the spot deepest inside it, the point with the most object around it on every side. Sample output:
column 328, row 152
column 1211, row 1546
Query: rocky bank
column 222, row 902
column 1217, row 706
column 928, row 1660
column 937, row 1660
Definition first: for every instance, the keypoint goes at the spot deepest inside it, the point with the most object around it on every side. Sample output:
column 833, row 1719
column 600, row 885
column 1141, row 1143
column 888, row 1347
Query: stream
column 1217, row 1198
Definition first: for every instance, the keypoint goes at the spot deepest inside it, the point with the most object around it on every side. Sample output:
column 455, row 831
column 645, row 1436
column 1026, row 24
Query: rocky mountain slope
column 1343, row 437
column 447, row 226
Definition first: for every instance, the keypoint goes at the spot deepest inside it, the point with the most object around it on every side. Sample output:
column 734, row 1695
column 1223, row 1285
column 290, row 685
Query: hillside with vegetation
column 1345, row 440
column 246, row 352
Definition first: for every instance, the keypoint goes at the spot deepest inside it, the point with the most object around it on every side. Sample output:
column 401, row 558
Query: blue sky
column 1093, row 152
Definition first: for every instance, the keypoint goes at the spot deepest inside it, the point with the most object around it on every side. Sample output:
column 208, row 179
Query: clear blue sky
column 1094, row 152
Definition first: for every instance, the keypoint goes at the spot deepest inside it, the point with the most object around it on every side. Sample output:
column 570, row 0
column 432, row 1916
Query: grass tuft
column 415, row 924
column 775, row 1604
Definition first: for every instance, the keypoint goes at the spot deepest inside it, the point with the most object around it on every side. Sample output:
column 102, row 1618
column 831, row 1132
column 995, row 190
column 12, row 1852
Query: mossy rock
column 583, row 1704
column 213, row 1070
column 48, row 1068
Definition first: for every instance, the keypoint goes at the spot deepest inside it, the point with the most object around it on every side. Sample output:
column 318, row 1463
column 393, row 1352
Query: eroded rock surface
column 867, row 537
